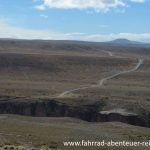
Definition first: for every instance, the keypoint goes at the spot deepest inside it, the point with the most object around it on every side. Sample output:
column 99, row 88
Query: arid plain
column 55, row 91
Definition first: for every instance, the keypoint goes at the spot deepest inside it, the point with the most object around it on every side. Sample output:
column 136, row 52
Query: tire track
column 102, row 81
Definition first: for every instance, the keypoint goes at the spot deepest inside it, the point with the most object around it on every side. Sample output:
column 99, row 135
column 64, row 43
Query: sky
column 87, row 20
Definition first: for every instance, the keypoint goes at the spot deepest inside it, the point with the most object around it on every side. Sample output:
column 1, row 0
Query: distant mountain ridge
column 119, row 42
column 123, row 41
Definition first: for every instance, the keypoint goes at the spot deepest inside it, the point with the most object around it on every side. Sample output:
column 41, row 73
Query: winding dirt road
column 108, row 52
column 101, row 82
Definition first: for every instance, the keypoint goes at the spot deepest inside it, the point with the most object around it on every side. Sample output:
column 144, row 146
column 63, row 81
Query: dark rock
column 52, row 108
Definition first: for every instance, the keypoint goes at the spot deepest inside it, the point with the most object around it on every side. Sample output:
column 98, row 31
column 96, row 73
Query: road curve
column 108, row 52
column 101, row 82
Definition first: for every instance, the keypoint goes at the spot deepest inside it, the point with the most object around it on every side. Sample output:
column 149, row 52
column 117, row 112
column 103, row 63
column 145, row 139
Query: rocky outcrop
column 52, row 108
column 45, row 108
column 129, row 119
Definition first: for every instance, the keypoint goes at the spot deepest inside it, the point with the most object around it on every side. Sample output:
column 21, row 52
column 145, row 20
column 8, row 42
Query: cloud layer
column 9, row 31
column 98, row 5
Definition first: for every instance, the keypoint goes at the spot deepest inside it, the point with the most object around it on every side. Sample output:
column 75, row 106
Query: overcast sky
column 90, row 20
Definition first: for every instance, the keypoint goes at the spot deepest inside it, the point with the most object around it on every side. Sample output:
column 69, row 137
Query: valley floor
column 19, row 130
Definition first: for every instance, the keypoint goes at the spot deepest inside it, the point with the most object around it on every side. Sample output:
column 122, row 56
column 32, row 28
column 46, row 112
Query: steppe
column 55, row 91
